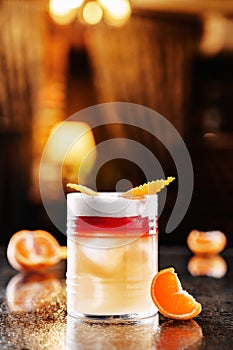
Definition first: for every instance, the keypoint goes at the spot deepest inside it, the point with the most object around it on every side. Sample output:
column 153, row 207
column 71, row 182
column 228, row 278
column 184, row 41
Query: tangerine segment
column 170, row 298
column 206, row 243
column 152, row 187
column 33, row 250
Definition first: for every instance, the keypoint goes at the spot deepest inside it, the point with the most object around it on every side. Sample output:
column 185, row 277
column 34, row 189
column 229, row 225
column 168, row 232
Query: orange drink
column 112, row 255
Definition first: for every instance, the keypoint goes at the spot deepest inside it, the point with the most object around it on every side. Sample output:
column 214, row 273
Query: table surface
column 39, row 319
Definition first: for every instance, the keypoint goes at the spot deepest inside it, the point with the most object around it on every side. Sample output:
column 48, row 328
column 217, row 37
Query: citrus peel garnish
column 170, row 298
column 152, row 187
column 82, row 189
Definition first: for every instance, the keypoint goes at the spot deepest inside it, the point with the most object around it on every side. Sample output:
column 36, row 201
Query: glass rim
column 112, row 194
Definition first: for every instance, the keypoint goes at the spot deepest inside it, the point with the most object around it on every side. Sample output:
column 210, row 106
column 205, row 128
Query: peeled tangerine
column 206, row 243
column 170, row 298
column 34, row 250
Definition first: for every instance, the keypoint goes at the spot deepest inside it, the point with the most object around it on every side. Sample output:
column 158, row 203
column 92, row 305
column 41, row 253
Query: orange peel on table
column 34, row 250
column 151, row 187
column 170, row 298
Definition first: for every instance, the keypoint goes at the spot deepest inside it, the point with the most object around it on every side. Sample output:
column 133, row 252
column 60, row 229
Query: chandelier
column 91, row 12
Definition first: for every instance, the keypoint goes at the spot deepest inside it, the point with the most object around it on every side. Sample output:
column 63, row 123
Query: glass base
column 123, row 318
column 88, row 333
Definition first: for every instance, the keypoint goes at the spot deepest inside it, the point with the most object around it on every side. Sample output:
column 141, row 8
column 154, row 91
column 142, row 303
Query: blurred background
column 58, row 57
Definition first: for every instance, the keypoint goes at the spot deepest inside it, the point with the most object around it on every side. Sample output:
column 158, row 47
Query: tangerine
column 34, row 250
column 206, row 243
column 170, row 298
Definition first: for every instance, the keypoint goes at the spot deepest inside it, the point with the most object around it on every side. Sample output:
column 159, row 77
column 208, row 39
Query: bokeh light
column 92, row 12
column 114, row 12
column 117, row 12
column 62, row 12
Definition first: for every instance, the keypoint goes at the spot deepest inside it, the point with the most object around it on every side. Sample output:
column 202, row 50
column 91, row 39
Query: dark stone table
column 33, row 313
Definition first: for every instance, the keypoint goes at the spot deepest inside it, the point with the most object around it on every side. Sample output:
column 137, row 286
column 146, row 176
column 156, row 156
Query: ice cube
column 104, row 260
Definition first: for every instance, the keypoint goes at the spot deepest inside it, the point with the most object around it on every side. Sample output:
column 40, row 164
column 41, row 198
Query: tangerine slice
column 170, row 298
column 206, row 243
column 152, row 187
column 83, row 189
column 34, row 250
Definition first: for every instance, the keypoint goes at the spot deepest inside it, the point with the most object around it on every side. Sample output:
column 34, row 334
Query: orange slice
column 170, row 298
column 206, row 243
column 83, row 189
column 152, row 187
column 34, row 250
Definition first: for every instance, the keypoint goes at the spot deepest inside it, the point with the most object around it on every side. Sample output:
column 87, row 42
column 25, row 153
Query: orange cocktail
column 112, row 255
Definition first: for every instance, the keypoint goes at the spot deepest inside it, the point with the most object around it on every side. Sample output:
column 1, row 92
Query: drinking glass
column 112, row 256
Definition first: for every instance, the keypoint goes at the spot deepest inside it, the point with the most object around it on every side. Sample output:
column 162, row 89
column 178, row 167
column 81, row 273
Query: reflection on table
column 33, row 314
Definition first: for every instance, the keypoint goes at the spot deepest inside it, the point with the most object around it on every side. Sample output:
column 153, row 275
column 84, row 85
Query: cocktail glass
column 112, row 256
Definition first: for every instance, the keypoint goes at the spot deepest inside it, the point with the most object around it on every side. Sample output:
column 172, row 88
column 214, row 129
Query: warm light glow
column 92, row 12
column 61, row 7
column 214, row 34
column 69, row 146
column 209, row 135
column 117, row 11
column 74, row 3
column 62, row 12
column 104, row 3
column 62, row 136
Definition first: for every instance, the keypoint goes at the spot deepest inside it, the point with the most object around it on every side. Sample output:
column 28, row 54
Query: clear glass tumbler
column 112, row 256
